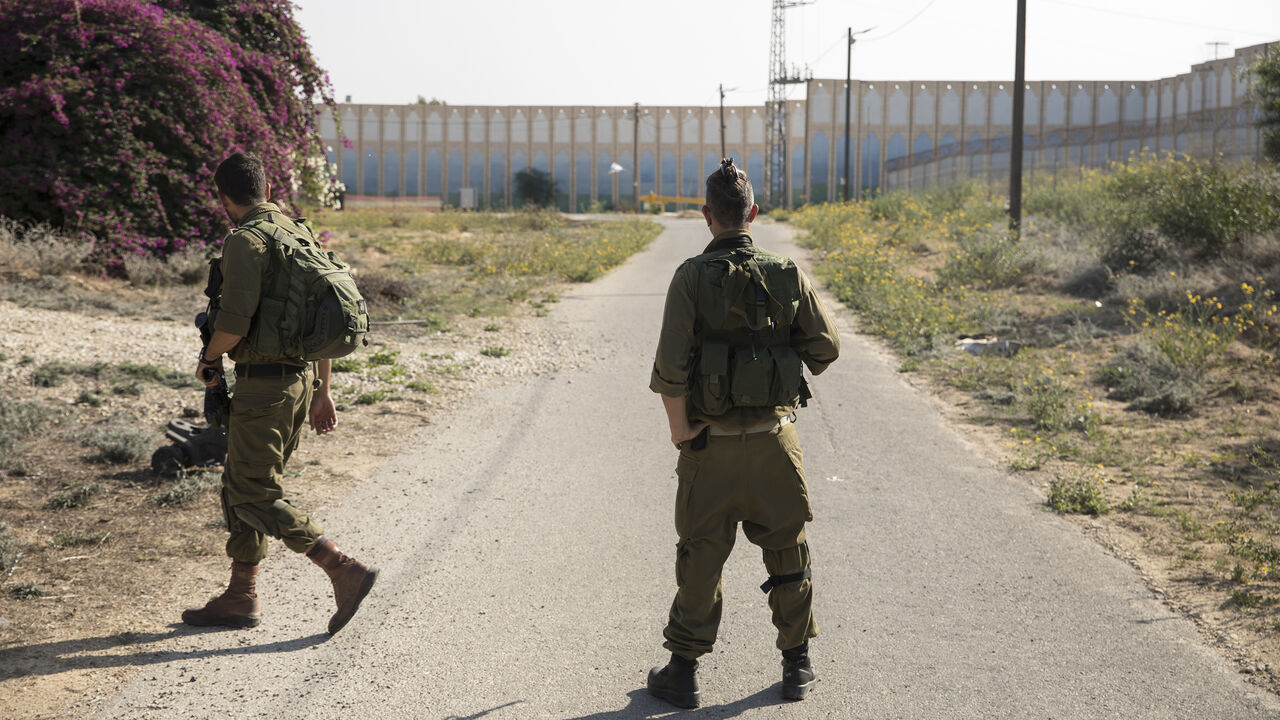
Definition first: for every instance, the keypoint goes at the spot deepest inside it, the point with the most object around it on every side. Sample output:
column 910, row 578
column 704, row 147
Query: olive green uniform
column 268, row 410
column 750, row 472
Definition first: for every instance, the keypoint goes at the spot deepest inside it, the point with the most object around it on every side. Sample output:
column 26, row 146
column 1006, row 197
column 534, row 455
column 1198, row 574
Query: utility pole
column 635, row 157
column 722, row 92
column 1019, row 109
column 1217, row 45
column 776, row 111
column 848, row 92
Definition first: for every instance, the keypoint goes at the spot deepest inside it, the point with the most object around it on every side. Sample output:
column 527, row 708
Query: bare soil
column 92, row 582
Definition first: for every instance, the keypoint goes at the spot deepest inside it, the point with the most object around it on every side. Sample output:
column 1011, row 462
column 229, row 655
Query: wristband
column 203, row 361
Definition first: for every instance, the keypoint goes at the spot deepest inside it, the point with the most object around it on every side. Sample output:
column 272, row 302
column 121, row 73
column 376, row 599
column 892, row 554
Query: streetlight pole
column 848, row 91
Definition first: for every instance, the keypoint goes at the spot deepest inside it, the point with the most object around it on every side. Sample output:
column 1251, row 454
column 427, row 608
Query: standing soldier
column 274, row 396
column 738, row 323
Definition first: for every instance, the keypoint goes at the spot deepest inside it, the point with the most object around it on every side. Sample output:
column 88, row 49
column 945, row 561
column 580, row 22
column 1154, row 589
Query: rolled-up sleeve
column 673, row 361
column 813, row 336
column 244, row 260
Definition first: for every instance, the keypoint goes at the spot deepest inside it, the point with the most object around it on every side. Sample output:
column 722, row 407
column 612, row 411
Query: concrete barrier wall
column 903, row 135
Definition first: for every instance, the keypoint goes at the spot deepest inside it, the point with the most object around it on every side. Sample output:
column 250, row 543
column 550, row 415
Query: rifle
column 217, row 400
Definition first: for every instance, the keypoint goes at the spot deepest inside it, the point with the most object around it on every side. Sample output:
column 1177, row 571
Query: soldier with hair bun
column 739, row 323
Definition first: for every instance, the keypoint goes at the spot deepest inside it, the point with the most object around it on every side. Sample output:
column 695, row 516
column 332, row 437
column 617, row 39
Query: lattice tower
column 775, row 173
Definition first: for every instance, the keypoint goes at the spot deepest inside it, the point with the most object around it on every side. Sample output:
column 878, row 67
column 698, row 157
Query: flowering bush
column 115, row 113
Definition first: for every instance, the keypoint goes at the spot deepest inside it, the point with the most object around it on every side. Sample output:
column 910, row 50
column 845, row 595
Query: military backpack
column 311, row 308
column 746, row 300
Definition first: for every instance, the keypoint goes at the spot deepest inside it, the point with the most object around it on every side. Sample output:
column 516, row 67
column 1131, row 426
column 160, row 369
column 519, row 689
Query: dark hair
column 243, row 179
column 729, row 195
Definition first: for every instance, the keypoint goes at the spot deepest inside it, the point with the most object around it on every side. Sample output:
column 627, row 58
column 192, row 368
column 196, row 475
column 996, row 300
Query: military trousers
column 268, row 415
column 756, row 480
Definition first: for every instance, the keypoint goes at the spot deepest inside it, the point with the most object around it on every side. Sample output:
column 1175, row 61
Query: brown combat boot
column 351, row 578
column 237, row 607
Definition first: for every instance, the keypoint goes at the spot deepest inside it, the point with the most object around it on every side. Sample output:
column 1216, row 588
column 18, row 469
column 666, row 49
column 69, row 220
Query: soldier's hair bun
column 729, row 171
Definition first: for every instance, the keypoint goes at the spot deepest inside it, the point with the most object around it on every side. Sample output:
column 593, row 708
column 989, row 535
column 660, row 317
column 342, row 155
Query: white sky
column 676, row 52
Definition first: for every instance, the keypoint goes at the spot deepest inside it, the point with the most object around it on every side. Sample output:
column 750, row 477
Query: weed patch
column 28, row 590
column 69, row 540
column 18, row 420
column 74, row 496
column 186, row 490
column 1081, row 496
column 120, row 443
column 372, row 397
column 9, row 548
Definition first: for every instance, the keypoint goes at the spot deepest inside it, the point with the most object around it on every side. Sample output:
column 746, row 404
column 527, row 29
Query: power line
column 910, row 20
column 826, row 52
column 1153, row 18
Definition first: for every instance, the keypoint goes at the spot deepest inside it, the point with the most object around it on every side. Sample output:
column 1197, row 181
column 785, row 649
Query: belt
column 762, row 427
column 280, row 370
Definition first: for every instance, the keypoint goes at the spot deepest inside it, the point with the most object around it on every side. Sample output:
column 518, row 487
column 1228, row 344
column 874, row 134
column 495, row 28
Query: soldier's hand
column 323, row 415
column 208, row 373
column 680, row 436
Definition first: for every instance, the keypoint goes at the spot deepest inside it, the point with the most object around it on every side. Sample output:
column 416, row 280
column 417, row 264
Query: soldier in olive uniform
column 274, row 398
column 738, row 323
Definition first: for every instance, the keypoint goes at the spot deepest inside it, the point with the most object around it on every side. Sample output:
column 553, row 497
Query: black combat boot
column 797, row 672
column 677, row 683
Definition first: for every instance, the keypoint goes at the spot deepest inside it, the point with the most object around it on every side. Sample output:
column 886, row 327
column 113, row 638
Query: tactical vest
column 746, row 300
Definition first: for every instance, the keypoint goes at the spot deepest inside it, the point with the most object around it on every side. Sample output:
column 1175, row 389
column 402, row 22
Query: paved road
column 527, row 551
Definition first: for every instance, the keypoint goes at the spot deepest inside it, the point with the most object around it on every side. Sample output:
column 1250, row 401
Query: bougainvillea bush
column 115, row 113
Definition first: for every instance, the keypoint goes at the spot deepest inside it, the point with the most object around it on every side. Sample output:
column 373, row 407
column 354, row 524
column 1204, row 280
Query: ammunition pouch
column 729, row 376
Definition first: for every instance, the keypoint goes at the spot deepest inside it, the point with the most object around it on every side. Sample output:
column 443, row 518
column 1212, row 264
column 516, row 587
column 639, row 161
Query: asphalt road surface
column 527, row 551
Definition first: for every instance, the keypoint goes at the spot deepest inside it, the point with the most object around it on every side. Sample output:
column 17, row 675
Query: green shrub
column 128, row 389
column 1137, row 249
column 151, row 373
column 1053, row 407
column 74, row 496
column 9, row 548
column 1146, row 377
column 383, row 292
column 495, row 351
column 90, row 398
column 187, row 490
column 120, row 443
column 347, row 364
column 52, row 374
column 383, row 358
column 26, row 248
column 422, row 386
column 28, row 590
column 987, row 259
column 1203, row 207
column 185, row 267
column 1081, row 496
column 18, row 420
column 371, row 397
column 66, row 540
